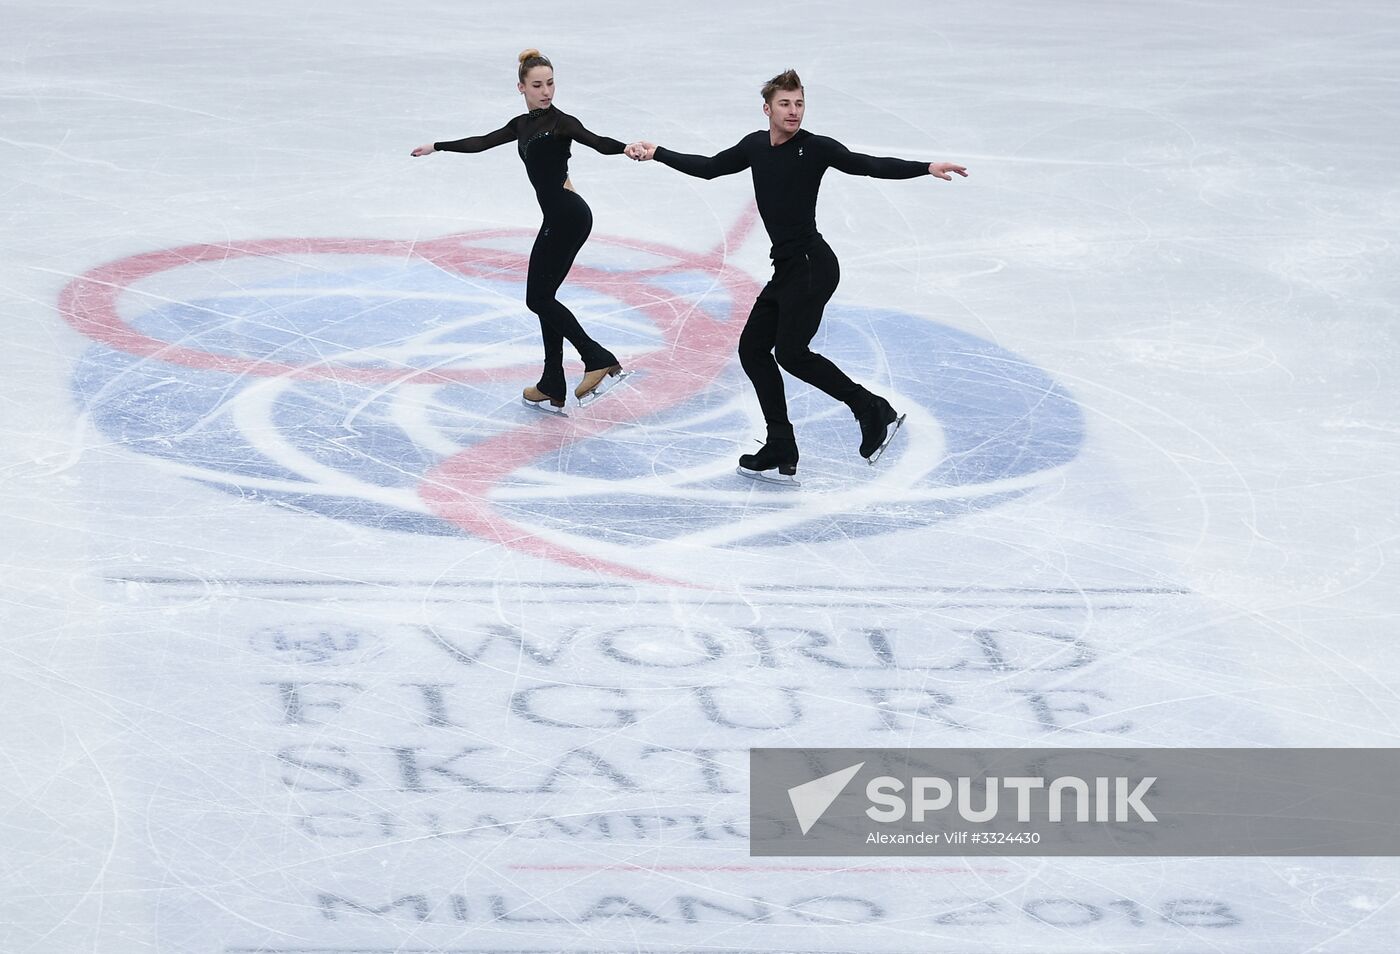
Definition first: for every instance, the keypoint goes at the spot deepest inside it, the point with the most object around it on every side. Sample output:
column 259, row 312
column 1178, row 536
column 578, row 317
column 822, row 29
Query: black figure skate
column 876, row 432
column 779, row 455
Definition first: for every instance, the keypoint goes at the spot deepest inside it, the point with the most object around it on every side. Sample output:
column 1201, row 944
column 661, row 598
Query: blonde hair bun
column 526, row 54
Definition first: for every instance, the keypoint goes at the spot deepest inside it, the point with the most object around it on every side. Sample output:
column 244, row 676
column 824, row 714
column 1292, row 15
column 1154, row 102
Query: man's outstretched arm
column 725, row 163
column 879, row 167
column 941, row 169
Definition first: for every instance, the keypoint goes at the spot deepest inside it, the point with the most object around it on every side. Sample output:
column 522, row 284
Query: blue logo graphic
column 406, row 364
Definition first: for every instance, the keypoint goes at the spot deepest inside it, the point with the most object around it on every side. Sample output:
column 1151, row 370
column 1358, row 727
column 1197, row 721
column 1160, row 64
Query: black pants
column 567, row 222
column 779, row 330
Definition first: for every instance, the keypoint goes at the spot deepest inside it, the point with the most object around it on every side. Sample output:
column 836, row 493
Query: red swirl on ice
column 695, row 347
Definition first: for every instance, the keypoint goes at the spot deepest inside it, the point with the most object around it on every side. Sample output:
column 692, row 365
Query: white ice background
column 260, row 694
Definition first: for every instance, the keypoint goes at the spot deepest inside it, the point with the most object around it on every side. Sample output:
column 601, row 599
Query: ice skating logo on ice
column 378, row 383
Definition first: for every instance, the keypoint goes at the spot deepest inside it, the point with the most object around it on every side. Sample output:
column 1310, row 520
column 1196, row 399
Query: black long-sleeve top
column 543, row 137
column 786, row 179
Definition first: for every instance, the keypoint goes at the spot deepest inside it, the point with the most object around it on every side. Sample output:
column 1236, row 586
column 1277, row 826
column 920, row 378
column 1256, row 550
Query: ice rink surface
column 317, row 641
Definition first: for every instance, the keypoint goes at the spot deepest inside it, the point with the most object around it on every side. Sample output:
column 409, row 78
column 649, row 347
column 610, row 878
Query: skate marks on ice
column 391, row 763
column 369, row 381
column 353, row 766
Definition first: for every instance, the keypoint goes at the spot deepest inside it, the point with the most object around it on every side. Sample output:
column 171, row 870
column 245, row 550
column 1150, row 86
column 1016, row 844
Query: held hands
column 641, row 151
column 429, row 149
column 941, row 169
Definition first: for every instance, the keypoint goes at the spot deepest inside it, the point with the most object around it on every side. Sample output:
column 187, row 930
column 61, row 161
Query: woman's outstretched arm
column 576, row 131
column 472, row 143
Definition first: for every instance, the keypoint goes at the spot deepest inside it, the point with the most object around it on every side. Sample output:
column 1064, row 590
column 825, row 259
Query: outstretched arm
column 576, row 131
column 472, row 143
column 859, row 164
column 726, row 163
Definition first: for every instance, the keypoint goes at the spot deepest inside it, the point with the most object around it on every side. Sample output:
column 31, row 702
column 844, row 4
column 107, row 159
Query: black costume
column 543, row 137
column 788, row 311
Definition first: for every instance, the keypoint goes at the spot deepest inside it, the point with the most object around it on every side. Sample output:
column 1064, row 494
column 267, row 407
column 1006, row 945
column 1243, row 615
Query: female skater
column 543, row 135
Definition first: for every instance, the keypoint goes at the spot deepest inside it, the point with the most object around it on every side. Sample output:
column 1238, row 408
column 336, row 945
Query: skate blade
column 894, row 429
column 764, row 477
column 544, row 407
column 604, row 388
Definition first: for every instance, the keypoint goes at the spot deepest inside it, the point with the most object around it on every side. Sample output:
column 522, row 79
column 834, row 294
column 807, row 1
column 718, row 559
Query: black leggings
column 567, row 222
column 781, row 326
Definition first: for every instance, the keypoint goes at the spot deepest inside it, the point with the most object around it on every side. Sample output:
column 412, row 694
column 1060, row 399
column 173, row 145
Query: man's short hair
column 787, row 80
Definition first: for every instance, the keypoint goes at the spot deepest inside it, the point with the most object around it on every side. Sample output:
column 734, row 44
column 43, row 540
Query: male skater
column 787, row 163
